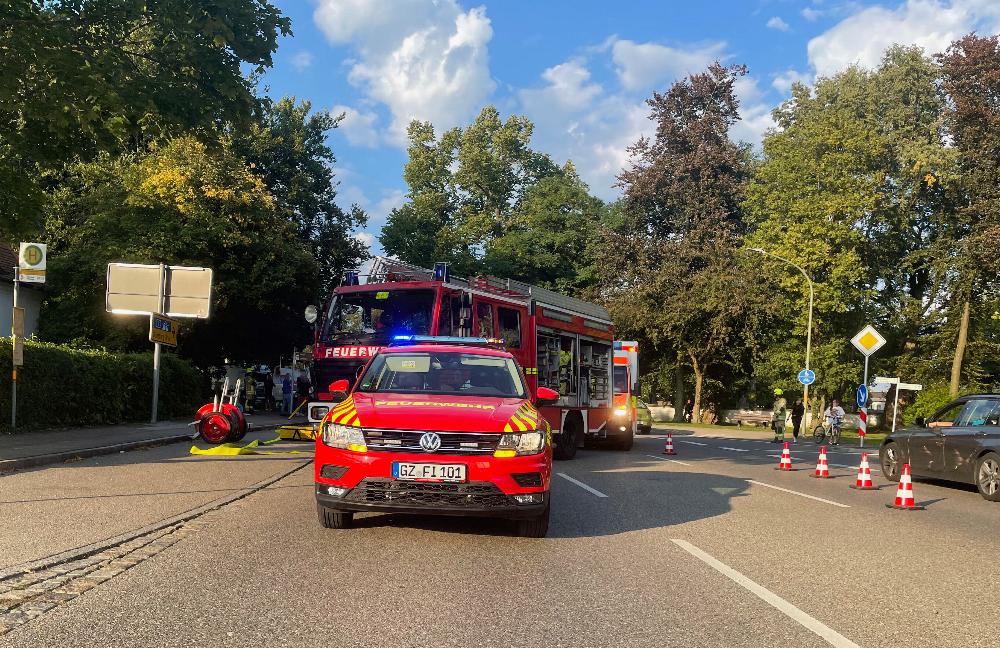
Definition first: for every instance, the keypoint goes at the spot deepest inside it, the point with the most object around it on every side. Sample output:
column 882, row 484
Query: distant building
column 29, row 296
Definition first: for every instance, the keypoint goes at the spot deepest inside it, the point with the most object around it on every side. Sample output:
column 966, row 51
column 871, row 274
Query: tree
column 683, row 285
column 186, row 204
column 465, row 190
column 972, row 79
column 286, row 146
column 78, row 77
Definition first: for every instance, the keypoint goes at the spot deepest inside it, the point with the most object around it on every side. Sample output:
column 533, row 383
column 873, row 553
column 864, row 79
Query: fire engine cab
column 563, row 343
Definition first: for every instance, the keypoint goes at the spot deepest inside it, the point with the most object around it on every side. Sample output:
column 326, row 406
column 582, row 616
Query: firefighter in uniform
column 778, row 416
column 251, row 393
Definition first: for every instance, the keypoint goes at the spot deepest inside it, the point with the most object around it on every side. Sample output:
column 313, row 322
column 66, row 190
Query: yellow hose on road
column 234, row 449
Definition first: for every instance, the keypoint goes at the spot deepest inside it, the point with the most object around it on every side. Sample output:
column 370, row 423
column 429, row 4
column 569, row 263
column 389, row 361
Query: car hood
column 438, row 412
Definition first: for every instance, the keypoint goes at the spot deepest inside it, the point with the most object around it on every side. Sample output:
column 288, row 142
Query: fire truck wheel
column 567, row 442
column 331, row 519
column 626, row 443
column 536, row 527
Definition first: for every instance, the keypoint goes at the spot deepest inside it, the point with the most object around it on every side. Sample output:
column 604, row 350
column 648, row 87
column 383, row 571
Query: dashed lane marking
column 581, row 485
column 733, row 449
column 786, row 490
column 670, row 460
column 692, row 443
column 828, row 634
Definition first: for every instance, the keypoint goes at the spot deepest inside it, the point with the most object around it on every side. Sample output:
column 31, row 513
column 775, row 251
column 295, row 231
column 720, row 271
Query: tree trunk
column 698, row 376
column 963, row 338
column 679, row 390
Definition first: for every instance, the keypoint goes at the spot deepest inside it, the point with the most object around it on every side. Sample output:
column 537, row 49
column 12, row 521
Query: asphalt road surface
column 710, row 547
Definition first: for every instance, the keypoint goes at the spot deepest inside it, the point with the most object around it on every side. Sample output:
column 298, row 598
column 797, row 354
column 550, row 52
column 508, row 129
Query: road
column 711, row 547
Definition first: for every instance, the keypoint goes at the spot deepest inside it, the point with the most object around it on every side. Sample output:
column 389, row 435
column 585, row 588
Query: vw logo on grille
column 430, row 441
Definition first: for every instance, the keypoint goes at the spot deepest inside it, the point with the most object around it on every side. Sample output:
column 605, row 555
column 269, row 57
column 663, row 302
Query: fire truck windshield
column 378, row 315
column 621, row 380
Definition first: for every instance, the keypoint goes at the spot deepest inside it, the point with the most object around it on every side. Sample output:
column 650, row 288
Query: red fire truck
column 563, row 343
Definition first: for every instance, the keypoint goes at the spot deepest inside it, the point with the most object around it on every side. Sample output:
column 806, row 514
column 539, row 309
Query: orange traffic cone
column 822, row 467
column 864, row 481
column 904, row 494
column 669, row 447
column 786, row 459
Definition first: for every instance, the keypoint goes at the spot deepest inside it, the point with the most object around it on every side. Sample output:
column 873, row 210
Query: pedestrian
column 688, row 410
column 251, row 391
column 798, row 411
column 269, row 391
column 778, row 416
column 302, row 386
column 287, row 392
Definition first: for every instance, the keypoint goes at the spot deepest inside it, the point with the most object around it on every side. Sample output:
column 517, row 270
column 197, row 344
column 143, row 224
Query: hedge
column 61, row 386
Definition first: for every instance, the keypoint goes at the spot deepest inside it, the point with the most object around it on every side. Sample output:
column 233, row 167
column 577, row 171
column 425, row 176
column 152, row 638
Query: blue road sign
column 862, row 395
column 807, row 376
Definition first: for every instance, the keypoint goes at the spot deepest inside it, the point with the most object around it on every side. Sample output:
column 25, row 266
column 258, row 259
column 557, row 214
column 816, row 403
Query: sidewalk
column 40, row 448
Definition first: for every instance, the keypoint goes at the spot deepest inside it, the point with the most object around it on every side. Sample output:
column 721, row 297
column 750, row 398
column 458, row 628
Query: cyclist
column 834, row 415
column 778, row 416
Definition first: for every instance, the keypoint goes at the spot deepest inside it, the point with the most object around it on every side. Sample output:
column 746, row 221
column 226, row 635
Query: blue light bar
column 441, row 272
column 439, row 339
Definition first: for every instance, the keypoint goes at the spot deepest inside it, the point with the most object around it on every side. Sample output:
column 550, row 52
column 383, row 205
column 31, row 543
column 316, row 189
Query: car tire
column 568, row 441
column 331, row 519
column 536, row 527
column 988, row 476
column 890, row 461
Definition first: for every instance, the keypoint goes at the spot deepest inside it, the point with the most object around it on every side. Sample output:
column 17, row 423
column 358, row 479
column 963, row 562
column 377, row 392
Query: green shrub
column 61, row 386
column 928, row 400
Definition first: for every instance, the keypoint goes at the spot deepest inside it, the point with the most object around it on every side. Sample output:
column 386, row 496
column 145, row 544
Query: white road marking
column 733, row 449
column 692, row 443
column 671, row 460
column 581, row 485
column 812, row 497
column 830, row 635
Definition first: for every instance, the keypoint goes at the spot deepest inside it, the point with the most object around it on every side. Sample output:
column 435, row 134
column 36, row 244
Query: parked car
column 643, row 418
column 960, row 442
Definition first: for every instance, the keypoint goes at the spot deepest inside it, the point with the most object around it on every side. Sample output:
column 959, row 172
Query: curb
column 187, row 516
column 33, row 461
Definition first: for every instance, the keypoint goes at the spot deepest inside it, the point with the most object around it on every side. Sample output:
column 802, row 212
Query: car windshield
column 621, row 380
column 462, row 374
column 379, row 314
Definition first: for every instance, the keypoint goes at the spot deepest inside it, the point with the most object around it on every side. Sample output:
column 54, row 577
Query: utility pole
column 13, row 375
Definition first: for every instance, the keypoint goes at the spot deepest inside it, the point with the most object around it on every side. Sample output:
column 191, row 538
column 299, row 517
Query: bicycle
column 828, row 429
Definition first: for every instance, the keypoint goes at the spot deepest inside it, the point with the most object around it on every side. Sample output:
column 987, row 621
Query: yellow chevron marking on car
column 345, row 414
column 521, row 422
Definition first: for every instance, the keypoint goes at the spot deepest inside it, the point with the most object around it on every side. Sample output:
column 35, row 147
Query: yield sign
column 868, row 340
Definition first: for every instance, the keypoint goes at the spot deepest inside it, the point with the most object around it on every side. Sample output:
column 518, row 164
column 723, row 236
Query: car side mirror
column 339, row 388
column 546, row 396
column 921, row 421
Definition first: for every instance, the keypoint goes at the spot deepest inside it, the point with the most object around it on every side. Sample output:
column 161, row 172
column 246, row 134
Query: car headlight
column 344, row 437
column 621, row 411
column 518, row 445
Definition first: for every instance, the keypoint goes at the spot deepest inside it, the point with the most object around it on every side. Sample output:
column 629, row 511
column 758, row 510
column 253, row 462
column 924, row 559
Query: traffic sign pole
column 865, row 383
column 13, row 375
column 156, row 352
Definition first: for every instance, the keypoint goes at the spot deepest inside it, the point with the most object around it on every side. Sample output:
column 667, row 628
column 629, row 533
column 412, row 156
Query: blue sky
column 579, row 69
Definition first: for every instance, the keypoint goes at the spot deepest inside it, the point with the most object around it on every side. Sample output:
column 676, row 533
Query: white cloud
column 568, row 88
column 357, row 126
column 644, row 65
column 863, row 37
column 782, row 82
column 777, row 23
column 755, row 113
column 391, row 199
column 302, row 60
column 365, row 237
column 810, row 14
column 424, row 59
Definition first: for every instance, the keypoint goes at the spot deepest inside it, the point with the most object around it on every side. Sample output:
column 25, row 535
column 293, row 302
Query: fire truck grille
column 455, row 443
column 479, row 495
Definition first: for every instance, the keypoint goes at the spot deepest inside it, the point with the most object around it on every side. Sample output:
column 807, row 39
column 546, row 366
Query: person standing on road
column 269, row 391
column 778, row 416
column 287, row 392
column 251, row 391
column 798, row 411
column 688, row 410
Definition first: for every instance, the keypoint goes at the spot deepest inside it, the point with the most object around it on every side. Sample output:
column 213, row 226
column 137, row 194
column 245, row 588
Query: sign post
column 867, row 341
column 160, row 292
column 899, row 385
column 31, row 261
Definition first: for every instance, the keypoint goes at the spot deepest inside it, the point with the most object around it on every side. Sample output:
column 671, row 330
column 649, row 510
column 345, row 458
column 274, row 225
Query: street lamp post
column 809, row 326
